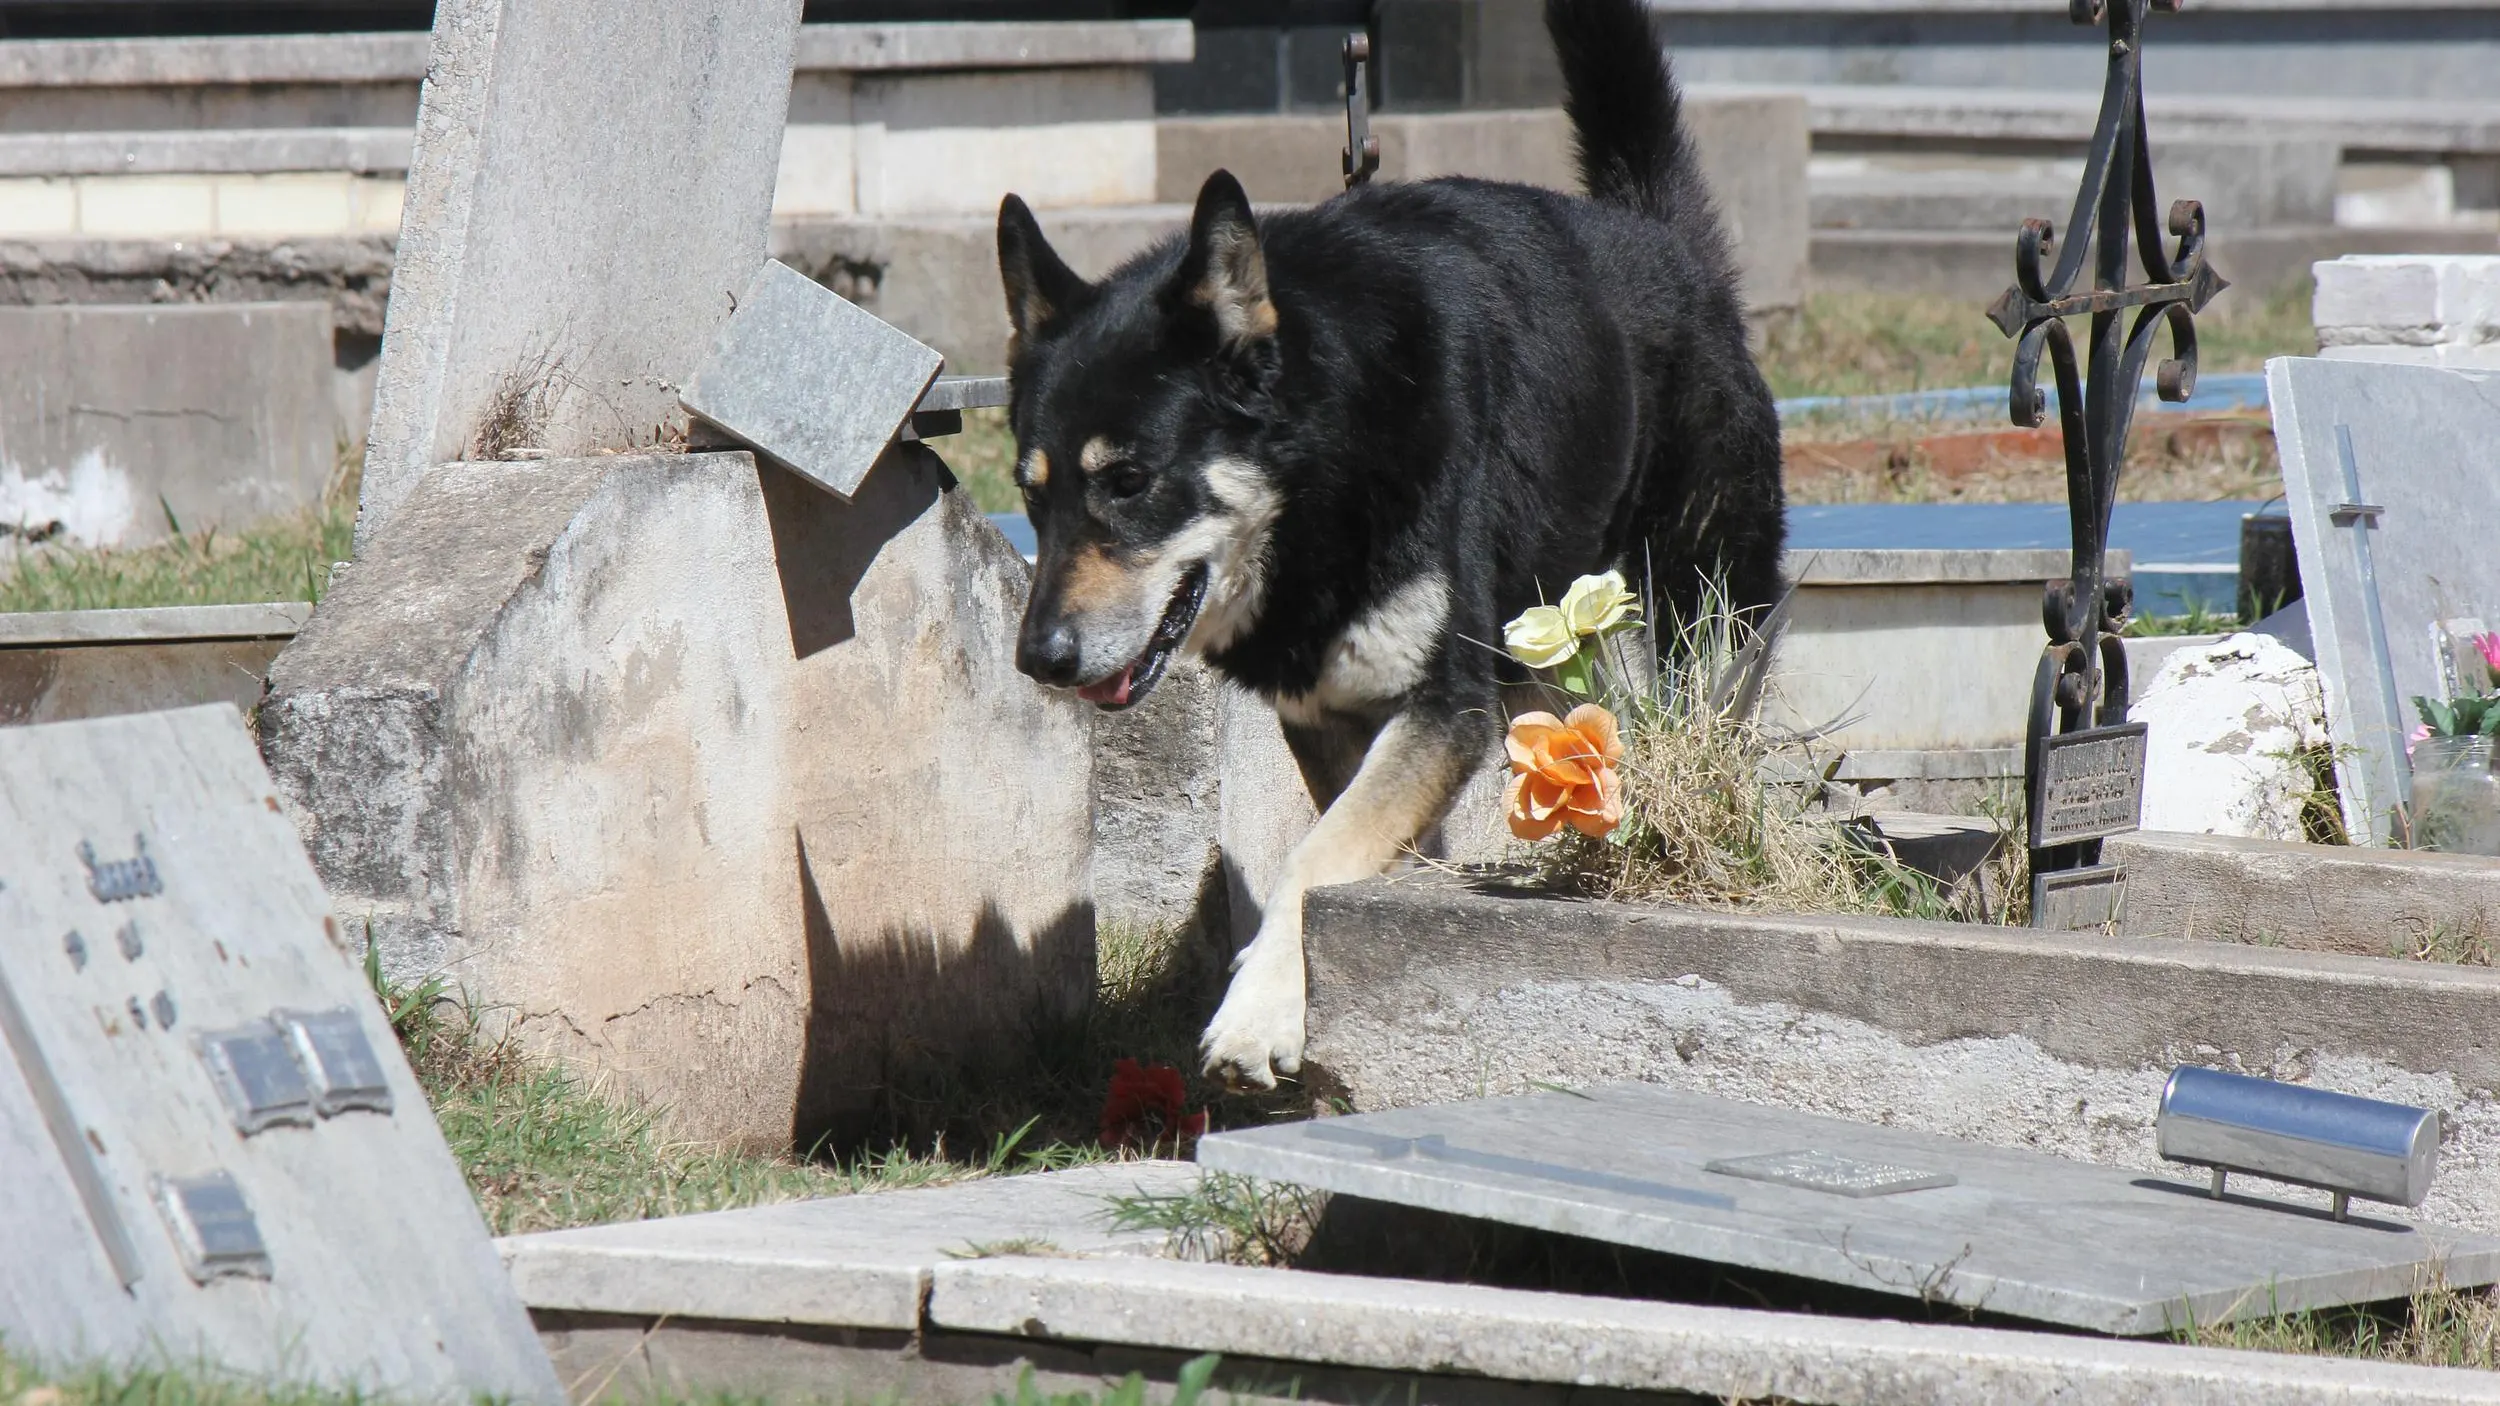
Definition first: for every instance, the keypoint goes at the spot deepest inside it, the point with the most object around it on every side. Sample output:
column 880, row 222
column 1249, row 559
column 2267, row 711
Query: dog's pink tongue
column 1113, row 690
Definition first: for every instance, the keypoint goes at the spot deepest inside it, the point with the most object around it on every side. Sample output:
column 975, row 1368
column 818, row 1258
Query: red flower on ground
column 1147, row 1107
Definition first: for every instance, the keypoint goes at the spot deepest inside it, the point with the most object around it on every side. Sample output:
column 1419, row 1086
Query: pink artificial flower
column 2489, row 647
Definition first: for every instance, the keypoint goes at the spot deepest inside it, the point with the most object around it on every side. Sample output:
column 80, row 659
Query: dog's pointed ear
column 1224, row 273
column 1039, row 286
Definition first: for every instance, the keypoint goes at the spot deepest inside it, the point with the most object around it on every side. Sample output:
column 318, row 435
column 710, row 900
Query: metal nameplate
column 113, row 880
column 338, row 1061
column 255, row 1071
column 213, row 1226
column 2079, row 900
column 2091, row 785
column 1830, row 1172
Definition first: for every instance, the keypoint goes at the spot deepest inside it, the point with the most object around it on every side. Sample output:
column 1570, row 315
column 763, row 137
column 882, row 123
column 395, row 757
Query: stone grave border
column 885, row 1314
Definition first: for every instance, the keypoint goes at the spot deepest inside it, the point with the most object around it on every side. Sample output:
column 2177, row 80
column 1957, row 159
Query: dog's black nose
column 1048, row 652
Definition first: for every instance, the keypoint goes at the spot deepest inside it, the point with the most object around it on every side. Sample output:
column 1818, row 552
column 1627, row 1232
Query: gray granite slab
column 846, row 1261
column 806, row 377
column 165, row 950
column 2425, row 445
column 2016, row 1233
column 274, row 620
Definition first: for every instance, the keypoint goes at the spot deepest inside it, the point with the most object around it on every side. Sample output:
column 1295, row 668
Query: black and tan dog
column 1331, row 451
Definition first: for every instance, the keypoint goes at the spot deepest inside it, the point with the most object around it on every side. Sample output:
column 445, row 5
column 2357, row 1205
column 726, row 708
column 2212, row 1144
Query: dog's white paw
column 1257, row 1032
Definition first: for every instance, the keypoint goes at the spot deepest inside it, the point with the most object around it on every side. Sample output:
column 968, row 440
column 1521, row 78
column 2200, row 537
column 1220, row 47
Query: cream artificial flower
column 1541, row 637
column 1596, row 604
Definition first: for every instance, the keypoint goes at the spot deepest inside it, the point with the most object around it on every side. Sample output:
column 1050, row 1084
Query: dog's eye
column 1125, row 480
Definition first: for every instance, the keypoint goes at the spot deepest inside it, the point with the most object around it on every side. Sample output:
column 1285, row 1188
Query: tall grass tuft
column 1706, row 821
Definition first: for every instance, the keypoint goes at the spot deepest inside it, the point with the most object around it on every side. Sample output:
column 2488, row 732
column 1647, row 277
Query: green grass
column 283, row 560
column 1879, row 343
column 2435, row 1328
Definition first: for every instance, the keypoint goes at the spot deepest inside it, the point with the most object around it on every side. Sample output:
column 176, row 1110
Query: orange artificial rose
column 1562, row 773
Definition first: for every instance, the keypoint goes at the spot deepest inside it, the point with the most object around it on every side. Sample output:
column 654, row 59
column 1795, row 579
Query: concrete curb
column 1523, row 1336
column 2319, row 898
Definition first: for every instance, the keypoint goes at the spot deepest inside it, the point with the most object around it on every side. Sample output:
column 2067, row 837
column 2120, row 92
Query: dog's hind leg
column 1408, row 777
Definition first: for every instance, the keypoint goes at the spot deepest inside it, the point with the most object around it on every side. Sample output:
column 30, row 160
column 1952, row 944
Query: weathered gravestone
column 689, row 769
column 2393, row 477
column 213, row 1149
column 590, row 189
column 1880, row 1208
column 702, row 776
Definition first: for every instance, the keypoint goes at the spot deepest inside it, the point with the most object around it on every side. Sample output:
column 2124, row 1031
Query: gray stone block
column 173, row 902
column 804, row 377
column 589, row 191
column 706, row 778
column 1893, row 1211
column 2052, row 1041
column 2319, row 898
column 118, row 422
column 1478, row 1339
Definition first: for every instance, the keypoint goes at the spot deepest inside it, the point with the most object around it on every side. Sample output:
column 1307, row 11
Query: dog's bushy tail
column 1623, row 107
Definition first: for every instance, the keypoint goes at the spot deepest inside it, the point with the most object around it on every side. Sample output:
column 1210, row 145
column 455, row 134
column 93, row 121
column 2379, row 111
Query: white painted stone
column 702, row 777
column 2227, row 723
column 154, row 895
column 2426, row 447
column 2412, row 309
column 590, row 188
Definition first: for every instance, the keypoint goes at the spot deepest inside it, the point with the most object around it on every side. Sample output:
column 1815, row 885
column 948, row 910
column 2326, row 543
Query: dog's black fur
column 1498, row 385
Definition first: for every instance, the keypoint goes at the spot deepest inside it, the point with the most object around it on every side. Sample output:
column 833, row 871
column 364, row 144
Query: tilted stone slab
column 173, row 977
column 1423, row 992
column 1474, row 1338
column 2422, row 445
column 842, row 1261
column 705, row 777
column 589, row 190
column 1892, row 1210
column 803, row 376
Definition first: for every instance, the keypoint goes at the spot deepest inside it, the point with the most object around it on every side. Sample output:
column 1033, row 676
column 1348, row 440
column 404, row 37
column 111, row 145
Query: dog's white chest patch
column 1382, row 654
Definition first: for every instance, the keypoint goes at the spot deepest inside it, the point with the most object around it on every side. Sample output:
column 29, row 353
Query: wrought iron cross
column 2081, row 686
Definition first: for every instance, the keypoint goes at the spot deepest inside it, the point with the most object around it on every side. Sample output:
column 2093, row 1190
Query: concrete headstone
column 707, row 778
column 2393, row 478
column 801, row 375
column 1879, row 1208
column 591, row 187
column 213, row 1148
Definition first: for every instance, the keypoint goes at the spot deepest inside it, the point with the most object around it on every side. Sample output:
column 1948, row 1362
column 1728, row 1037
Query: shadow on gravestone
column 825, row 546
column 948, row 1019
column 214, row 1151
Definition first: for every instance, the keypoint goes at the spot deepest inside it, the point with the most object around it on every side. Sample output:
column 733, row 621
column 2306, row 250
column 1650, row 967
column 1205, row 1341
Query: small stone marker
column 1879, row 1208
column 2079, row 900
column 804, row 376
column 213, row 1150
column 2392, row 474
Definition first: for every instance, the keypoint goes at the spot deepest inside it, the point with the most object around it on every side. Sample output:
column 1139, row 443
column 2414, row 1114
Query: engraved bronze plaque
column 2079, row 900
column 2091, row 785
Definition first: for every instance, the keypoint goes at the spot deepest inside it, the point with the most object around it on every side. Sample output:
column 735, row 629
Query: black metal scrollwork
column 2082, row 680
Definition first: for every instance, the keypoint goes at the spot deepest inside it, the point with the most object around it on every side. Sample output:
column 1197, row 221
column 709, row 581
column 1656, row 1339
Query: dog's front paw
column 1257, row 1032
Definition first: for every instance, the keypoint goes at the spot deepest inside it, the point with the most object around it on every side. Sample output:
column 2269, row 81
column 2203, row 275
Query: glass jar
column 2456, row 798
